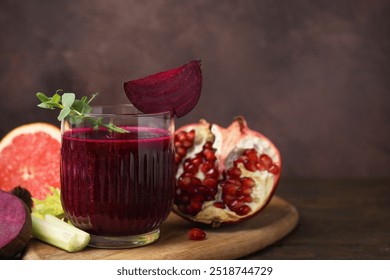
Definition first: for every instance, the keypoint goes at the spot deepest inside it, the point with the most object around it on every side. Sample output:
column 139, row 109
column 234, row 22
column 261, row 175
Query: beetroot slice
column 15, row 225
column 176, row 90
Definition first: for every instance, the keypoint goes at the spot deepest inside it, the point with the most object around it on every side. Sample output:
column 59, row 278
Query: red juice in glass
column 119, row 187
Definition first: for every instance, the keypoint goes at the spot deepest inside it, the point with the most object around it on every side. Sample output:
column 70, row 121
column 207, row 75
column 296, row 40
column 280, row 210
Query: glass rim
column 138, row 113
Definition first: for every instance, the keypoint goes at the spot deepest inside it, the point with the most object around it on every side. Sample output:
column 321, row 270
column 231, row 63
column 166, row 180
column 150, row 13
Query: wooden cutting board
column 227, row 242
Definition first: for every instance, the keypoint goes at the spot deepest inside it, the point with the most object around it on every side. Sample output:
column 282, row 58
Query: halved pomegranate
column 224, row 175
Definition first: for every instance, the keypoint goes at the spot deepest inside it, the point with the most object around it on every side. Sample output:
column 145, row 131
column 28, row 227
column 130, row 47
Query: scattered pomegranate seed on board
column 196, row 234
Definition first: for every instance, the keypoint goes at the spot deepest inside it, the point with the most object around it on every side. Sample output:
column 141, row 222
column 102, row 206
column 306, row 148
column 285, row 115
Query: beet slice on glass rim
column 176, row 90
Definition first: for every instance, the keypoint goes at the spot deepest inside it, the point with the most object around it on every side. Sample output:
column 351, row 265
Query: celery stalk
column 82, row 236
column 58, row 233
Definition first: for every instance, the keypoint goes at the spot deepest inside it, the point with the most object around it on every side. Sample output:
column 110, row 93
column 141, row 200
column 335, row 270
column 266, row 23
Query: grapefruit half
column 30, row 158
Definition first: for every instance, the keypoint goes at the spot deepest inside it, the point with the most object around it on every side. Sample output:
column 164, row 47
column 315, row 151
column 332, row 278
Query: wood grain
column 338, row 219
column 228, row 242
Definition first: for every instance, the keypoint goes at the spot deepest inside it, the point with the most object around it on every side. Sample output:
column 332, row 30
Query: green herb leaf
column 42, row 97
column 45, row 106
column 115, row 128
column 55, row 99
column 68, row 99
column 76, row 109
column 82, row 106
column 64, row 112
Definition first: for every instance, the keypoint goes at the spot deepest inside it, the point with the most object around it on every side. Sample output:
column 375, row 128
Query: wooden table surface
column 339, row 219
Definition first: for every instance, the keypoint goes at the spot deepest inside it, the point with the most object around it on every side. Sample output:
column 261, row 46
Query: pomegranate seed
column 234, row 172
column 245, row 191
column 238, row 161
column 260, row 166
column 190, row 189
column 195, row 207
column 197, row 198
column 250, row 165
column 247, row 182
column 274, row 169
column 211, row 192
column 235, row 204
column 202, row 189
column 233, row 182
column 227, row 198
column 189, row 167
column 219, row 204
column 182, row 199
column 212, row 173
column 190, row 135
column 177, row 144
column 208, row 145
column 232, row 190
column 209, row 155
column 196, row 234
column 181, row 151
column 243, row 210
column 210, row 183
column 196, row 182
column 197, row 160
column 181, row 136
column 266, row 161
column 252, row 155
column 177, row 159
column 187, row 144
column 245, row 198
column 205, row 167
column 185, row 199
column 184, row 181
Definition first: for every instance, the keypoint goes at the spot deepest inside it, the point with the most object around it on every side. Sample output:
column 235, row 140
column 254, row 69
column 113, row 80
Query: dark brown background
column 314, row 76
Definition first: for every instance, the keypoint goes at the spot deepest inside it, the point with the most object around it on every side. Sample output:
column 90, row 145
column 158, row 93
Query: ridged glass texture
column 119, row 186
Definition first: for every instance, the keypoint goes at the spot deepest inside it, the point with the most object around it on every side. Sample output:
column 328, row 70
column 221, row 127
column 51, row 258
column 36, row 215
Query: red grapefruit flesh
column 176, row 90
column 30, row 157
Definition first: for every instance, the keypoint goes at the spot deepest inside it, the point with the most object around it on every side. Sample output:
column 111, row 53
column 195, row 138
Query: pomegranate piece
column 224, row 175
column 176, row 90
column 196, row 234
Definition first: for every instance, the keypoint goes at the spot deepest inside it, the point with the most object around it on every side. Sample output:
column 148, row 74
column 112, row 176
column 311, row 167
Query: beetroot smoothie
column 117, row 184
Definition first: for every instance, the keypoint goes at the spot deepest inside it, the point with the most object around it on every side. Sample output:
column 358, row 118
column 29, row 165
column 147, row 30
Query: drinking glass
column 118, row 186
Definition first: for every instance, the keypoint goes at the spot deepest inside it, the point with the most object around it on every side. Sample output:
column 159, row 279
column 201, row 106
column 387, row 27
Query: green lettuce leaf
column 51, row 205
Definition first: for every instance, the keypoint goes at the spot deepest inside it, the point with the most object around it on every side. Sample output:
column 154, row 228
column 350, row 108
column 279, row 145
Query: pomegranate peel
column 176, row 90
column 227, row 175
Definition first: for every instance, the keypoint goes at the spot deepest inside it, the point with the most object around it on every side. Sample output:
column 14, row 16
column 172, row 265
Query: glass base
column 118, row 242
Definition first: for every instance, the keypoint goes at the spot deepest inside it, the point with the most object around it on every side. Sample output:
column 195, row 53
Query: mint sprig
column 76, row 109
